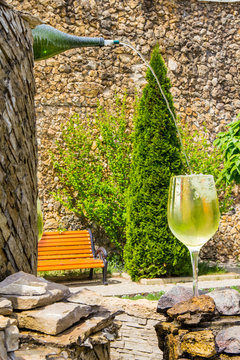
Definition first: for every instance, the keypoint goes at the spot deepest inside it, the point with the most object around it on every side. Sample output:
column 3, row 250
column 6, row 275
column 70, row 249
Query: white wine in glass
column 193, row 214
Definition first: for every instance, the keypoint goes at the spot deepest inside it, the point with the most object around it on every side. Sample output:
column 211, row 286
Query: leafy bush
column 204, row 158
column 151, row 249
column 39, row 219
column 151, row 296
column 92, row 162
column 229, row 143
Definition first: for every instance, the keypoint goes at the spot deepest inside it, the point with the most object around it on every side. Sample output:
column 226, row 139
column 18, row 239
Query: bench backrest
column 65, row 244
column 70, row 250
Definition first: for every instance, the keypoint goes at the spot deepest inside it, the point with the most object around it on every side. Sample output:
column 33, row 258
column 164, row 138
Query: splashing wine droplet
column 165, row 99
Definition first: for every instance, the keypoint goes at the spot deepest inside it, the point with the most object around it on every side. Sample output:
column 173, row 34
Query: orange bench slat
column 64, row 256
column 63, row 244
column 56, row 249
column 69, row 264
column 65, row 235
column 68, row 267
column 72, row 261
column 82, row 240
column 60, row 251
column 68, row 232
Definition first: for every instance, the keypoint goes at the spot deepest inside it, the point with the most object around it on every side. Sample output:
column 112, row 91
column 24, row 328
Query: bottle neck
column 48, row 42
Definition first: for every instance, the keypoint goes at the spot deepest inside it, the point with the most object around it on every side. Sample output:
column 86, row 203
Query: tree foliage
column 205, row 158
column 92, row 163
column 229, row 144
column 151, row 249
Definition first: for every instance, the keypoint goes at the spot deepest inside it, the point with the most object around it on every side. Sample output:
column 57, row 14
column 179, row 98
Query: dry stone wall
column 200, row 327
column 200, row 45
column 18, row 146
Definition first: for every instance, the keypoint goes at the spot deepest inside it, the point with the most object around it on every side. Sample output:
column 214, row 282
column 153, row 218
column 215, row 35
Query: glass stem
column 194, row 259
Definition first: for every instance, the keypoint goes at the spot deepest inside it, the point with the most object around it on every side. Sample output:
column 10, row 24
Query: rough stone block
column 227, row 301
column 228, row 340
column 12, row 338
column 4, row 322
column 54, row 318
column 193, row 311
column 199, row 343
column 5, row 307
column 172, row 297
column 3, row 350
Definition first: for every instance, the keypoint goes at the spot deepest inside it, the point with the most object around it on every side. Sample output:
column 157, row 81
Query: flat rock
column 78, row 333
column 54, row 318
column 172, row 297
column 5, row 307
column 138, row 308
column 228, row 340
column 227, row 301
column 86, row 297
column 53, row 292
column 23, row 284
column 40, row 353
column 194, row 310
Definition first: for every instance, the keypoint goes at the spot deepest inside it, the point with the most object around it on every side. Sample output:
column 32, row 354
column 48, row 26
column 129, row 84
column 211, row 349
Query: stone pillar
column 18, row 146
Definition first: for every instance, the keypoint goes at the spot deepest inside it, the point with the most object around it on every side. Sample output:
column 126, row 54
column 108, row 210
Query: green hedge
column 151, row 250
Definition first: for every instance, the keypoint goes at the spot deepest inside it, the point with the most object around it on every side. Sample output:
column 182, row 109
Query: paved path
column 119, row 286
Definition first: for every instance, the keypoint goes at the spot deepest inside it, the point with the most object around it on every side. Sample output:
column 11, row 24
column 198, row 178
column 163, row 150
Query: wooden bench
column 71, row 250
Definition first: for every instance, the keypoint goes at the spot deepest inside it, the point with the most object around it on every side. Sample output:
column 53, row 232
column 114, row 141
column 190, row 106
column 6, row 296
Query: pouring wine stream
column 165, row 99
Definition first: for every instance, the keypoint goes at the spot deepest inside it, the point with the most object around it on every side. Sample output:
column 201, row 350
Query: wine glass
column 193, row 214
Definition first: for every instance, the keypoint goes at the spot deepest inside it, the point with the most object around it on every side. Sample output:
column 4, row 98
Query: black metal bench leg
column 91, row 274
column 105, row 273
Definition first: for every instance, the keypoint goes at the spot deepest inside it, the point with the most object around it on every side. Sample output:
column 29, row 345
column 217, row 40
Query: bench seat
column 70, row 250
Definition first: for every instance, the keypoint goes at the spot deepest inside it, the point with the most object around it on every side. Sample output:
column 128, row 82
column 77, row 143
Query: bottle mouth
column 111, row 42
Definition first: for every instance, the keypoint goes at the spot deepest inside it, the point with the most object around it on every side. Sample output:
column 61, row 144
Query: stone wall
column 137, row 336
column 203, row 327
column 18, row 146
column 200, row 45
column 39, row 321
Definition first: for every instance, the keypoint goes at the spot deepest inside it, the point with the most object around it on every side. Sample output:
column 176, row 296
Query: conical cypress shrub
column 151, row 249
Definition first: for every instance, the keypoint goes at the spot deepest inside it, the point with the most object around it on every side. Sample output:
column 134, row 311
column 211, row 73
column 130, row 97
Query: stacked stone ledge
column 204, row 327
column 9, row 333
column 51, row 325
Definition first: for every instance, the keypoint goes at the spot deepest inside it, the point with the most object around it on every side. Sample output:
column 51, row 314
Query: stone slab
column 78, row 333
column 39, row 353
column 22, row 283
column 140, row 308
column 53, row 319
column 54, row 292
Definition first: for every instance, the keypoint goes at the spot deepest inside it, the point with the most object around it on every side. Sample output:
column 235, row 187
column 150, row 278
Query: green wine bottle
column 48, row 41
